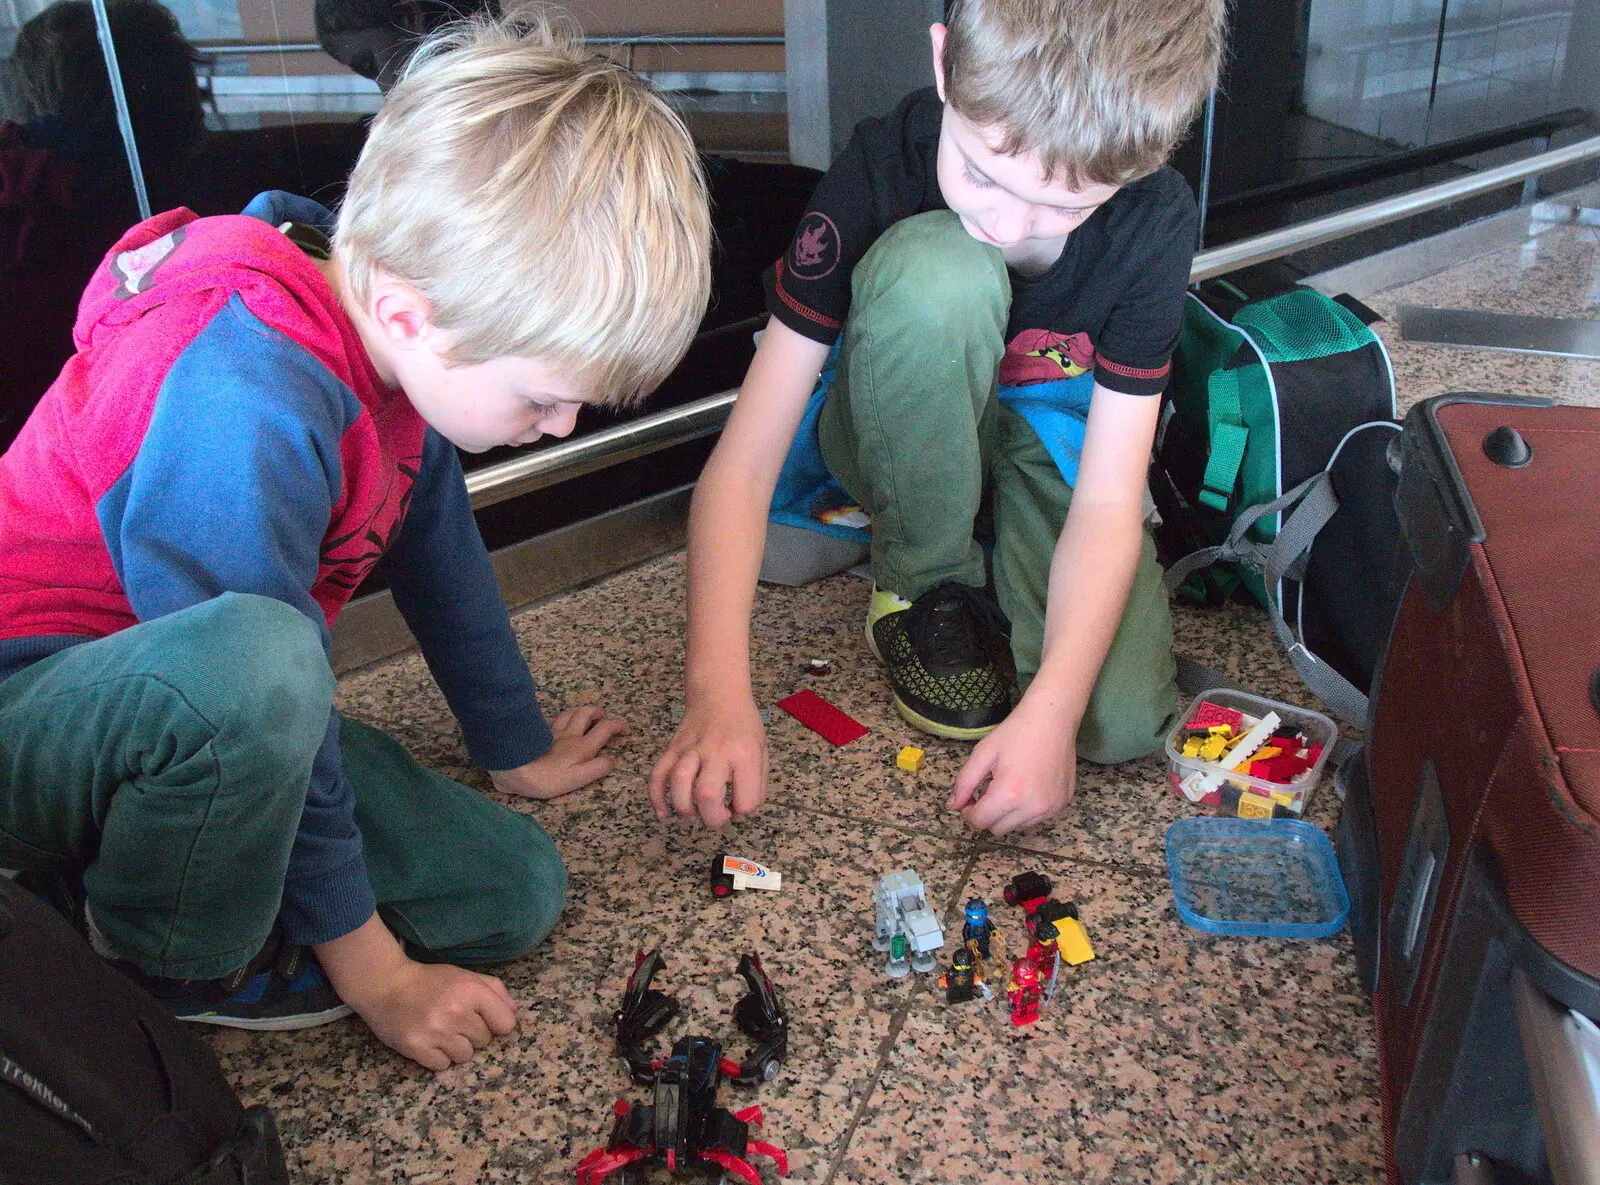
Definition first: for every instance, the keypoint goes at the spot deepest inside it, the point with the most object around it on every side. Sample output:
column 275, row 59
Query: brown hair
column 1100, row 90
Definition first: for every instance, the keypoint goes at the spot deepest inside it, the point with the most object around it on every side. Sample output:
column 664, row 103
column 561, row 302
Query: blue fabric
column 444, row 586
column 275, row 207
column 804, row 479
column 1057, row 411
column 231, row 491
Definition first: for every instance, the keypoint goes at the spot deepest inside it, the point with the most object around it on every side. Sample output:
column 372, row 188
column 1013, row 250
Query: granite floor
column 1173, row 1057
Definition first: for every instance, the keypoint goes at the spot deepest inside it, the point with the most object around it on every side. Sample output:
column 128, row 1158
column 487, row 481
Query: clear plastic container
column 1271, row 878
column 1214, row 787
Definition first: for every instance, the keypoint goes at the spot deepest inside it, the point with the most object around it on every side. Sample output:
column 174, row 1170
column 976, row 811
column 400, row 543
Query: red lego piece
column 1208, row 715
column 822, row 718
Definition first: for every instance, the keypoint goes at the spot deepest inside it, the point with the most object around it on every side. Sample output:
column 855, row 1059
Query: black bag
column 1301, row 514
column 98, row 1084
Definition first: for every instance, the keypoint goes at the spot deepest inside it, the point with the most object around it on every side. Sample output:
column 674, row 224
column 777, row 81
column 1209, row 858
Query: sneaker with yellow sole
column 941, row 653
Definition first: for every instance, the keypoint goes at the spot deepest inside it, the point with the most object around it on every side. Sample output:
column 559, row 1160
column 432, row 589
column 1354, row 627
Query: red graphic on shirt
column 815, row 252
column 1040, row 356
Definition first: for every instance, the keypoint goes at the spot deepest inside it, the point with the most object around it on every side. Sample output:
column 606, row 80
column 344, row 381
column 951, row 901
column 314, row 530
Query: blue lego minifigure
column 978, row 927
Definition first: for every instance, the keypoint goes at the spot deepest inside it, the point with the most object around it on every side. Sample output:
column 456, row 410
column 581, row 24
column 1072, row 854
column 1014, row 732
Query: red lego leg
column 733, row 1164
column 772, row 1150
column 600, row 1164
column 750, row 1115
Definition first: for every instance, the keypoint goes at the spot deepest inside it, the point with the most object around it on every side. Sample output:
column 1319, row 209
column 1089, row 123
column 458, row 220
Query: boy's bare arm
column 433, row 1013
column 1030, row 761
column 721, row 742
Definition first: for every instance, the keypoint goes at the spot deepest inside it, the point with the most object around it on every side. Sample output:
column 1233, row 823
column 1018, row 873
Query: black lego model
column 683, row 1127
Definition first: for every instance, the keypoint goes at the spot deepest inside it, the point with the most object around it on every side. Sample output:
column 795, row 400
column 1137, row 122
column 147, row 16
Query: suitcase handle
column 1437, row 518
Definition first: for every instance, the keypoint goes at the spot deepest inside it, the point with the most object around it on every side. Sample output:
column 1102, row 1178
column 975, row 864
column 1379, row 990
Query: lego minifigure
column 960, row 982
column 978, row 927
column 1023, row 992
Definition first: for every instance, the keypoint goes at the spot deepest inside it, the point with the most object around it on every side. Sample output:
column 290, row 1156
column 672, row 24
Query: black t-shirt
column 1113, row 302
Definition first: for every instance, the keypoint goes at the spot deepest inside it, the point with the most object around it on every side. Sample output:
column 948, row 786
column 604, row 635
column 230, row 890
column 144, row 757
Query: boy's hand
column 433, row 1013
column 437, row 1014
column 717, row 745
column 1031, row 765
column 572, row 761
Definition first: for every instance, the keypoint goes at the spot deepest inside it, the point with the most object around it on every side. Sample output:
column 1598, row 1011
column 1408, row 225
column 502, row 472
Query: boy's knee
column 535, row 893
column 1126, row 732
column 266, row 669
column 931, row 262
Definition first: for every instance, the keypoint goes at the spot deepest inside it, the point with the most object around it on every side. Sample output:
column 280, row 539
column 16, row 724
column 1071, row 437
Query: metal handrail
column 691, row 421
column 1278, row 243
column 219, row 47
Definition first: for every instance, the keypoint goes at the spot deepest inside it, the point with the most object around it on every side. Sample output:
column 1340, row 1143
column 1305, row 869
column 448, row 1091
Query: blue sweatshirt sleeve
column 444, row 585
column 231, row 491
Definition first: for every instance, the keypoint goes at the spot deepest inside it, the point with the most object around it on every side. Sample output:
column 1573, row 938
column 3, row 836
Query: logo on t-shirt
column 1040, row 356
column 815, row 251
column 136, row 269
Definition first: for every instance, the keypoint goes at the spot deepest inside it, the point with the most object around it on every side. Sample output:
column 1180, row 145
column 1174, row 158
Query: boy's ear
column 399, row 311
column 936, row 33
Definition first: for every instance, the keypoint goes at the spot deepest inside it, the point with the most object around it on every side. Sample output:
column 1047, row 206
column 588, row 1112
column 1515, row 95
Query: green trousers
column 168, row 764
column 914, row 429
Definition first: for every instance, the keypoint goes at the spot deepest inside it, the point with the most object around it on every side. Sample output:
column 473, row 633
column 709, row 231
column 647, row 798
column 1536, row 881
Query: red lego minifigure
column 1023, row 992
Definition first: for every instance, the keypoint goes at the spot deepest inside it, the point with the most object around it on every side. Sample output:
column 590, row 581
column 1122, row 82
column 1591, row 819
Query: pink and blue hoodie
column 221, row 429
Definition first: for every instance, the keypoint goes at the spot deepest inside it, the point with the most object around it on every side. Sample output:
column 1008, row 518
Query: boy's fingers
column 592, row 770
column 475, row 1028
column 429, row 1058
column 658, row 782
column 457, row 1048
column 602, row 733
column 711, row 793
column 968, row 781
column 580, row 718
column 681, row 783
column 499, row 1011
column 749, row 784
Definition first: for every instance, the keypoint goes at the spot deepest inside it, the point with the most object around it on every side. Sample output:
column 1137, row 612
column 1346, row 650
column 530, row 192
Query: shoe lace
column 955, row 627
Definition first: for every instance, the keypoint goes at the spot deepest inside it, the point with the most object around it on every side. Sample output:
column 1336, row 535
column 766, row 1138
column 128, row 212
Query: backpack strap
column 1228, row 436
column 1285, row 558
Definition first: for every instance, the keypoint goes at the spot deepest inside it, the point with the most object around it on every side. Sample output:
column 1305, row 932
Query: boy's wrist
column 362, row 964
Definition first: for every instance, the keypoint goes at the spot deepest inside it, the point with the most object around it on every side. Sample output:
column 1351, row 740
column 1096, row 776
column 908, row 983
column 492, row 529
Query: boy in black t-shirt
column 1005, row 257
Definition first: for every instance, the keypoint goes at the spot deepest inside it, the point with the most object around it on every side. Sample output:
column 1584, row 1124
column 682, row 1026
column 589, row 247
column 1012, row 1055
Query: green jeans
column 914, row 429
column 168, row 764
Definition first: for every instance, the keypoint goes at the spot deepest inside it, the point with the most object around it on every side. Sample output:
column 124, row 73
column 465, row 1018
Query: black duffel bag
column 98, row 1084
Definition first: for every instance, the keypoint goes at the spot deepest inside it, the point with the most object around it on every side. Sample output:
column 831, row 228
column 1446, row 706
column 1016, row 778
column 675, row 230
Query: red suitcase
column 1473, row 846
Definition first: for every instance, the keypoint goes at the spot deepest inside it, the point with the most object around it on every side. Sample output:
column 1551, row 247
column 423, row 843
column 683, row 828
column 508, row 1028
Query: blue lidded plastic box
column 1274, row 878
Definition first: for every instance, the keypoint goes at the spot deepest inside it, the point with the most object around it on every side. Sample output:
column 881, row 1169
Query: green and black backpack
column 1271, row 477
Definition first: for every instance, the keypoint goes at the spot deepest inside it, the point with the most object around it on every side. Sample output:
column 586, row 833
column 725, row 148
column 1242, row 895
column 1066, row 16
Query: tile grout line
column 897, row 1023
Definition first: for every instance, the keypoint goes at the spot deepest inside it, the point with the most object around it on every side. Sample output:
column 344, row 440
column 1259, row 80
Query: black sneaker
column 943, row 653
column 282, row 988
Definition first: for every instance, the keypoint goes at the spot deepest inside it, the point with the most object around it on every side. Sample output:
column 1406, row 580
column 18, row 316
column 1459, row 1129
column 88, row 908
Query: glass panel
column 66, row 193
column 1330, row 104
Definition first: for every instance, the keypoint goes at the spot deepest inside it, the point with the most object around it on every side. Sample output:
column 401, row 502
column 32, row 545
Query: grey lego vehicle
column 907, row 929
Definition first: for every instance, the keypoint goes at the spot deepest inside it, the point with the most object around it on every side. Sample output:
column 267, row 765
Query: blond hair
column 543, row 200
column 1100, row 90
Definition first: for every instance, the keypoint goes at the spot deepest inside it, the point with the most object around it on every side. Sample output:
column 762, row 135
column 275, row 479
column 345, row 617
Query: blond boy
column 259, row 411
column 973, row 254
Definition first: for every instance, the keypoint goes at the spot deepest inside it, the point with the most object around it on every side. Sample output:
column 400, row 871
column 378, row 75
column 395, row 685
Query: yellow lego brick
column 1073, row 941
column 1254, row 806
column 1191, row 747
column 910, row 759
column 1214, row 748
column 1282, row 799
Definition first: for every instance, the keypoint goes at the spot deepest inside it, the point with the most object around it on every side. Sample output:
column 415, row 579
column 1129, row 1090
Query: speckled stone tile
column 529, row 1106
column 1556, row 274
column 1172, row 1057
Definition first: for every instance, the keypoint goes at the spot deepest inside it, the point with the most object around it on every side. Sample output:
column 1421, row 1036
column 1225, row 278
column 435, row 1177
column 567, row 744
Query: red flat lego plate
column 822, row 718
